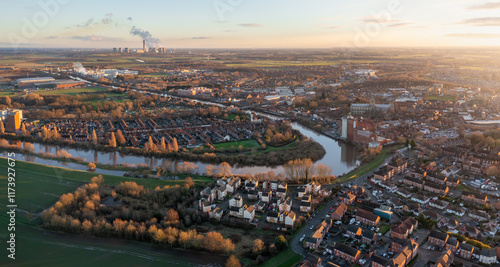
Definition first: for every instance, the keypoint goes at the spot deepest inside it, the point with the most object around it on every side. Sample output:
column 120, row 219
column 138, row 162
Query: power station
column 144, row 49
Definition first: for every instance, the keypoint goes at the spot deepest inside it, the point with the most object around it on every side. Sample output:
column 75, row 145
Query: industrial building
column 28, row 81
column 14, row 117
column 126, row 50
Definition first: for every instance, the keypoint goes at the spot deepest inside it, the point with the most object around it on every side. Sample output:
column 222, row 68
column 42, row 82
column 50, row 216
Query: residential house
column 438, row 238
column 216, row 214
column 475, row 197
column 452, row 244
column 436, row 188
column 305, row 207
column 233, row 185
column 347, row 198
column 251, row 184
column 438, row 204
column 265, row 196
column 488, row 256
column 404, row 228
column 209, row 194
column 339, row 212
column 236, row 201
column 290, row 219
column 347, row 253
column 253, row 194
column 221, row 192
column 421, row 199
column 438, row 179
column 453, row 182
column 479, row 215
column 237, row 212
column 367, row 217
column 367, row 237
column 249, row 213
column 302, row 191
column 469, row 230
column 415, row 182
column 285, row 205
column 466, row 250
column 399, row 166
column 379, row 261
column 281, row 192
column 260, row 206
column 444, row 260
column 455, row 210
column 404, row 193
column 272, row 217
column 354, row 230
column 205, row 205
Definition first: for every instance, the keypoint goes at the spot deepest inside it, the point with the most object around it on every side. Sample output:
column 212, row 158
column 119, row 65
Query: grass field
column 39, row 187
column 440, row 97
column 286, row 258
column 245, row 143
column 364, row 169
column 73, row 91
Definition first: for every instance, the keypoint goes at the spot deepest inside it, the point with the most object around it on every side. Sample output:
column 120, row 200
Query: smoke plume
column 78, row 68
column 146, row 35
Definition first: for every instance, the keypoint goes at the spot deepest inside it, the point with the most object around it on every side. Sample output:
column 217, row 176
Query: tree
column 8, row 101
column 91, row 166
column 407, row 143
column 258, row 246
column 224, row 169
column 209, row 170
column 413, row 144
column 23, row 130
column 120, row 139
column 175, row 146
column 94, row 137
column 281, row 243
column 322, row 170
column 299, row 169
column 2, row 128
column 232, row 261
column 163, row 145
column 489, row 142
column 112, row 140
column 150, row 145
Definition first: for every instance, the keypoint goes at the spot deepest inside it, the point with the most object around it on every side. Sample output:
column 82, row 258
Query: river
column 341, row 157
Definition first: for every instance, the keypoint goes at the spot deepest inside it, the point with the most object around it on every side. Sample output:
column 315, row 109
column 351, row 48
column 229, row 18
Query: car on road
column 302, row 238
column 312, row 227
column 310, row 218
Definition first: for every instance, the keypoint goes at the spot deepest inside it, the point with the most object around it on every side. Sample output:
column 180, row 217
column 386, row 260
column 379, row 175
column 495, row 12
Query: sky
column 249, row 23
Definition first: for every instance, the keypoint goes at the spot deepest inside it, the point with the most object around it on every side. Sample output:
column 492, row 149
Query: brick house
column 438, row 238
column 347, row 253
column 414, row 182
column 475, row 197
column 339, row 212
column 347, row 198
column 466, row 250
column 367, row 217
column 452, row 244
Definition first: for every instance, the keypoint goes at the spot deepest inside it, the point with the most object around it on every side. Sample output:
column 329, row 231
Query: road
column 295, row 243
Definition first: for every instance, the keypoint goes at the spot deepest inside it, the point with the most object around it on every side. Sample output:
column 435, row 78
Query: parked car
column 302, row 238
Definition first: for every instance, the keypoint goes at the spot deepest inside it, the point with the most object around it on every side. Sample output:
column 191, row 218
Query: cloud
column 400, row 24
column 486, row 21
column 95, row 38
column 251, row 25
column 92, row 23
column 201, row 38
column 491, row 5
column 130, row 19
column 379, row 20
column 332, row 27
column 51, row 37
column 473, row 35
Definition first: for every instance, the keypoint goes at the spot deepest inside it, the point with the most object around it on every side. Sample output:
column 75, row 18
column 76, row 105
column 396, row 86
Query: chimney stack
column 144, row 46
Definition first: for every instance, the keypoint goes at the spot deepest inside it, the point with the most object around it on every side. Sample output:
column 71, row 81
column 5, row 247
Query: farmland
column 73, row 91
column 39, row 187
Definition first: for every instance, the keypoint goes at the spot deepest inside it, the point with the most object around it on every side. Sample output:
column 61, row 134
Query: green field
column 286, row 258
column 440, row 97
column 364, row 169
column 73, row 91
column 245, row 143
column 38, row 187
